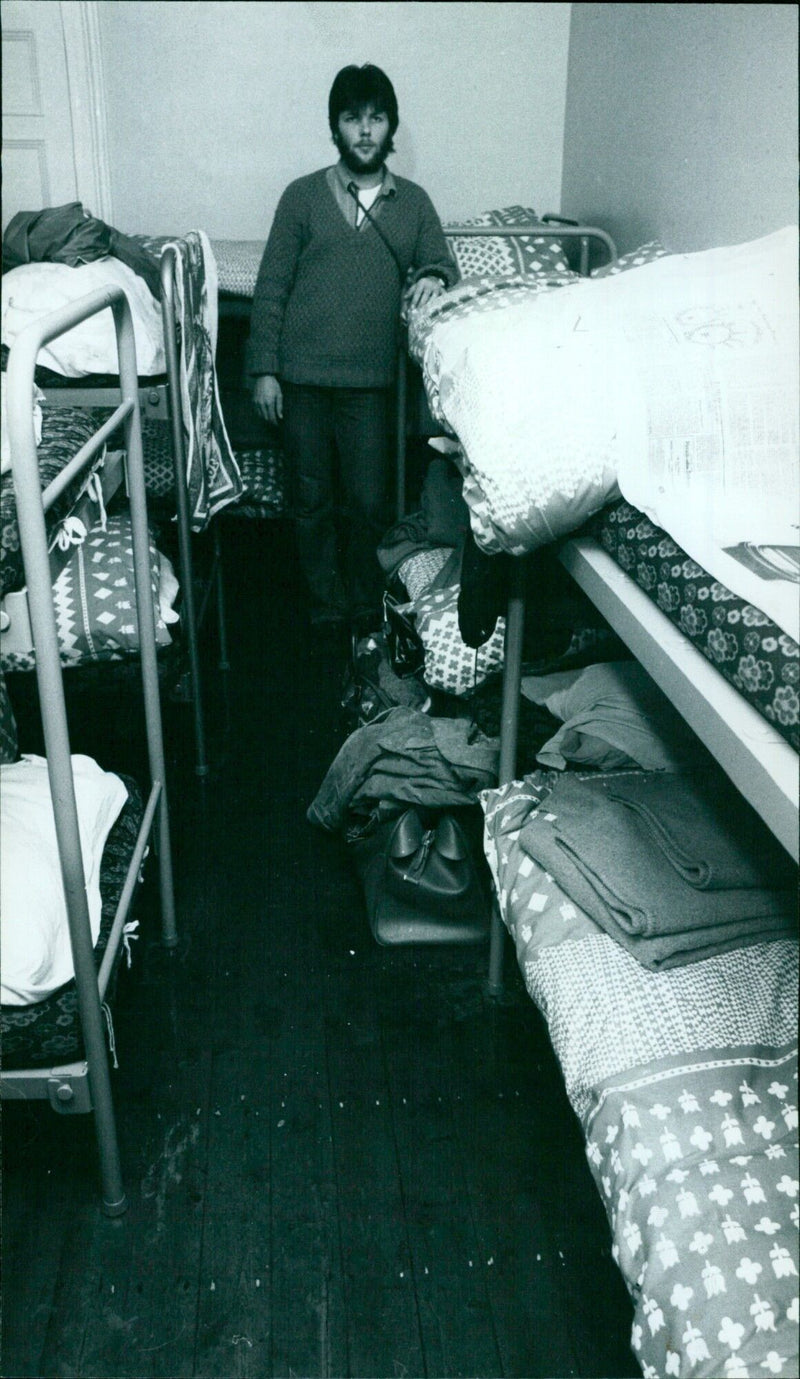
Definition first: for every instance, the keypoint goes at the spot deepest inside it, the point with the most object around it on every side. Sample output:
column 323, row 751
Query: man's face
column 362, row 138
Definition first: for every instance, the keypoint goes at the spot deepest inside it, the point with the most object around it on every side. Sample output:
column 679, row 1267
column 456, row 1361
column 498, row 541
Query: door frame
column 87, row 97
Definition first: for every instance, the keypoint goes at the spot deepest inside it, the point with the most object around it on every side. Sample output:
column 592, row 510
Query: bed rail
column 160, row 401
column 548, row 228
column 32, row 505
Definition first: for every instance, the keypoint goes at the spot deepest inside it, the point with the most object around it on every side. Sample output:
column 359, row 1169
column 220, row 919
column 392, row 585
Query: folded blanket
column 602, row 854
column 706, row 830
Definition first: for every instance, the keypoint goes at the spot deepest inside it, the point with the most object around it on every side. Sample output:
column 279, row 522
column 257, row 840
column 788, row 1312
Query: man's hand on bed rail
column 423, row 291
column 268, row 398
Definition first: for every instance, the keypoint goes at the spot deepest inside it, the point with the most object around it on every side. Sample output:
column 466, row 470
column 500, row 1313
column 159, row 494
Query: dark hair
column 354, row 87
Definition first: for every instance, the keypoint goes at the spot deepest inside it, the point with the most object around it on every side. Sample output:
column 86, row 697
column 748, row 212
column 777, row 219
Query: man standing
column 348, row 246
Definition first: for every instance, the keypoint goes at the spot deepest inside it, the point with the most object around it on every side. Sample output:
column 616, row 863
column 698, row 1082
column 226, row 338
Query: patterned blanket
column 685, row 1082
column 212, row 473
column 473, row 294
column 747, row 648
column 536, row 431
column 64, row 431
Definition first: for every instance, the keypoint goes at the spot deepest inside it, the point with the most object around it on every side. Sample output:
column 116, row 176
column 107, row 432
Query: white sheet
column 35, row 289
column 35, row 952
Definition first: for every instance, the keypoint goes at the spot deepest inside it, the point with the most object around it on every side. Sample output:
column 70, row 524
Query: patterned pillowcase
column 419, row 571
column 9, row 748
column 647, row 253
column 450, row 664
column 496, row 255
column 95, row 600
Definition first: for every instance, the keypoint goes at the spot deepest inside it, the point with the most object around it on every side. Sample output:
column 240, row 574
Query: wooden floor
column 341, row 1160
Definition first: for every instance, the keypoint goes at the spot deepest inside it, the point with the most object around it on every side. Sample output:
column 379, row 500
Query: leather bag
column 425, row 879
column 406, row 652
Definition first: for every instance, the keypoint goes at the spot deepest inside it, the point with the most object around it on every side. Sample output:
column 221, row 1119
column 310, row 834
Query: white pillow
column 35, row 951
column 35, row 289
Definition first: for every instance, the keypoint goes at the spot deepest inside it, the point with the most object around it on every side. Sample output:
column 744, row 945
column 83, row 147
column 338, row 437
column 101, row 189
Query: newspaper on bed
column 709, row 440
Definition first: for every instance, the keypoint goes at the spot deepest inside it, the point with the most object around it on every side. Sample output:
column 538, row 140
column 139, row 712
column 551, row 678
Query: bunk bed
column 682, row 1075
column 75, row 836
column 520, row 247
column 190, row 469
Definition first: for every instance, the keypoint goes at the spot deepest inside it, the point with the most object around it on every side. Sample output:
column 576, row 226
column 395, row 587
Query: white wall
column 681, row 121
column 213, row 107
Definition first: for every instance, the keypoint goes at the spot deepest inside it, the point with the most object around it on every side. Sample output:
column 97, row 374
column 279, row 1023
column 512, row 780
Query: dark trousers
column 337, row 443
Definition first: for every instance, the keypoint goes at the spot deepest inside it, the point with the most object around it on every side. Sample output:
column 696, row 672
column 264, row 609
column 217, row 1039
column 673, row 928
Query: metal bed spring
column 160, row 402
column 551, row 227
column 85, row 1085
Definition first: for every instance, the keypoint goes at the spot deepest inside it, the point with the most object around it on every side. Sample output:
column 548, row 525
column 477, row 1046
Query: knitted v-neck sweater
column 327, row 299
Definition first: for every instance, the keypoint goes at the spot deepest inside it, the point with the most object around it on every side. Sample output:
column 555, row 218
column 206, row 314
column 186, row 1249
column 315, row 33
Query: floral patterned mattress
column 48, row 1032
column 748, row 649
column 685, row 1083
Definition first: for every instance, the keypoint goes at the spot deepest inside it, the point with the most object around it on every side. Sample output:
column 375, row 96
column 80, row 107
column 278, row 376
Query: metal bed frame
column 160, row 401
column 85, row 1085
column 555, row 228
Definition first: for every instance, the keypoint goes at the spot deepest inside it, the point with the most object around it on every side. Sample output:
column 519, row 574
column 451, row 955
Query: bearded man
column 350, row 245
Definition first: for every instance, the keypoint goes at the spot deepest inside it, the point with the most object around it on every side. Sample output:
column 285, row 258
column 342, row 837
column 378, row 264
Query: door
column 38, row 151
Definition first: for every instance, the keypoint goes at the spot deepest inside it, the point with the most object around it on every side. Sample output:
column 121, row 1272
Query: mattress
column 238, row 262
column 48, row 1032
column 684, row 1082
column 753, row 654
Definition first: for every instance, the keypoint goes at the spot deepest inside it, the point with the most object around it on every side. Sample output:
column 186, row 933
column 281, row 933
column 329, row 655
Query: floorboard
column 341, row 1160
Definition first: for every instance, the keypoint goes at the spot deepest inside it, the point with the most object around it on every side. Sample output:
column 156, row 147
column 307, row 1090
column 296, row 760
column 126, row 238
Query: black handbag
column 371, row 686
column 406, row 652
column 425, row 878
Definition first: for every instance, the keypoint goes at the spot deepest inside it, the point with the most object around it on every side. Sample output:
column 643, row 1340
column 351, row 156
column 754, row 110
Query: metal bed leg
column 137, row 499
column 59, row 766
column 219, row 592
column 182, row 505
column 509, row 730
